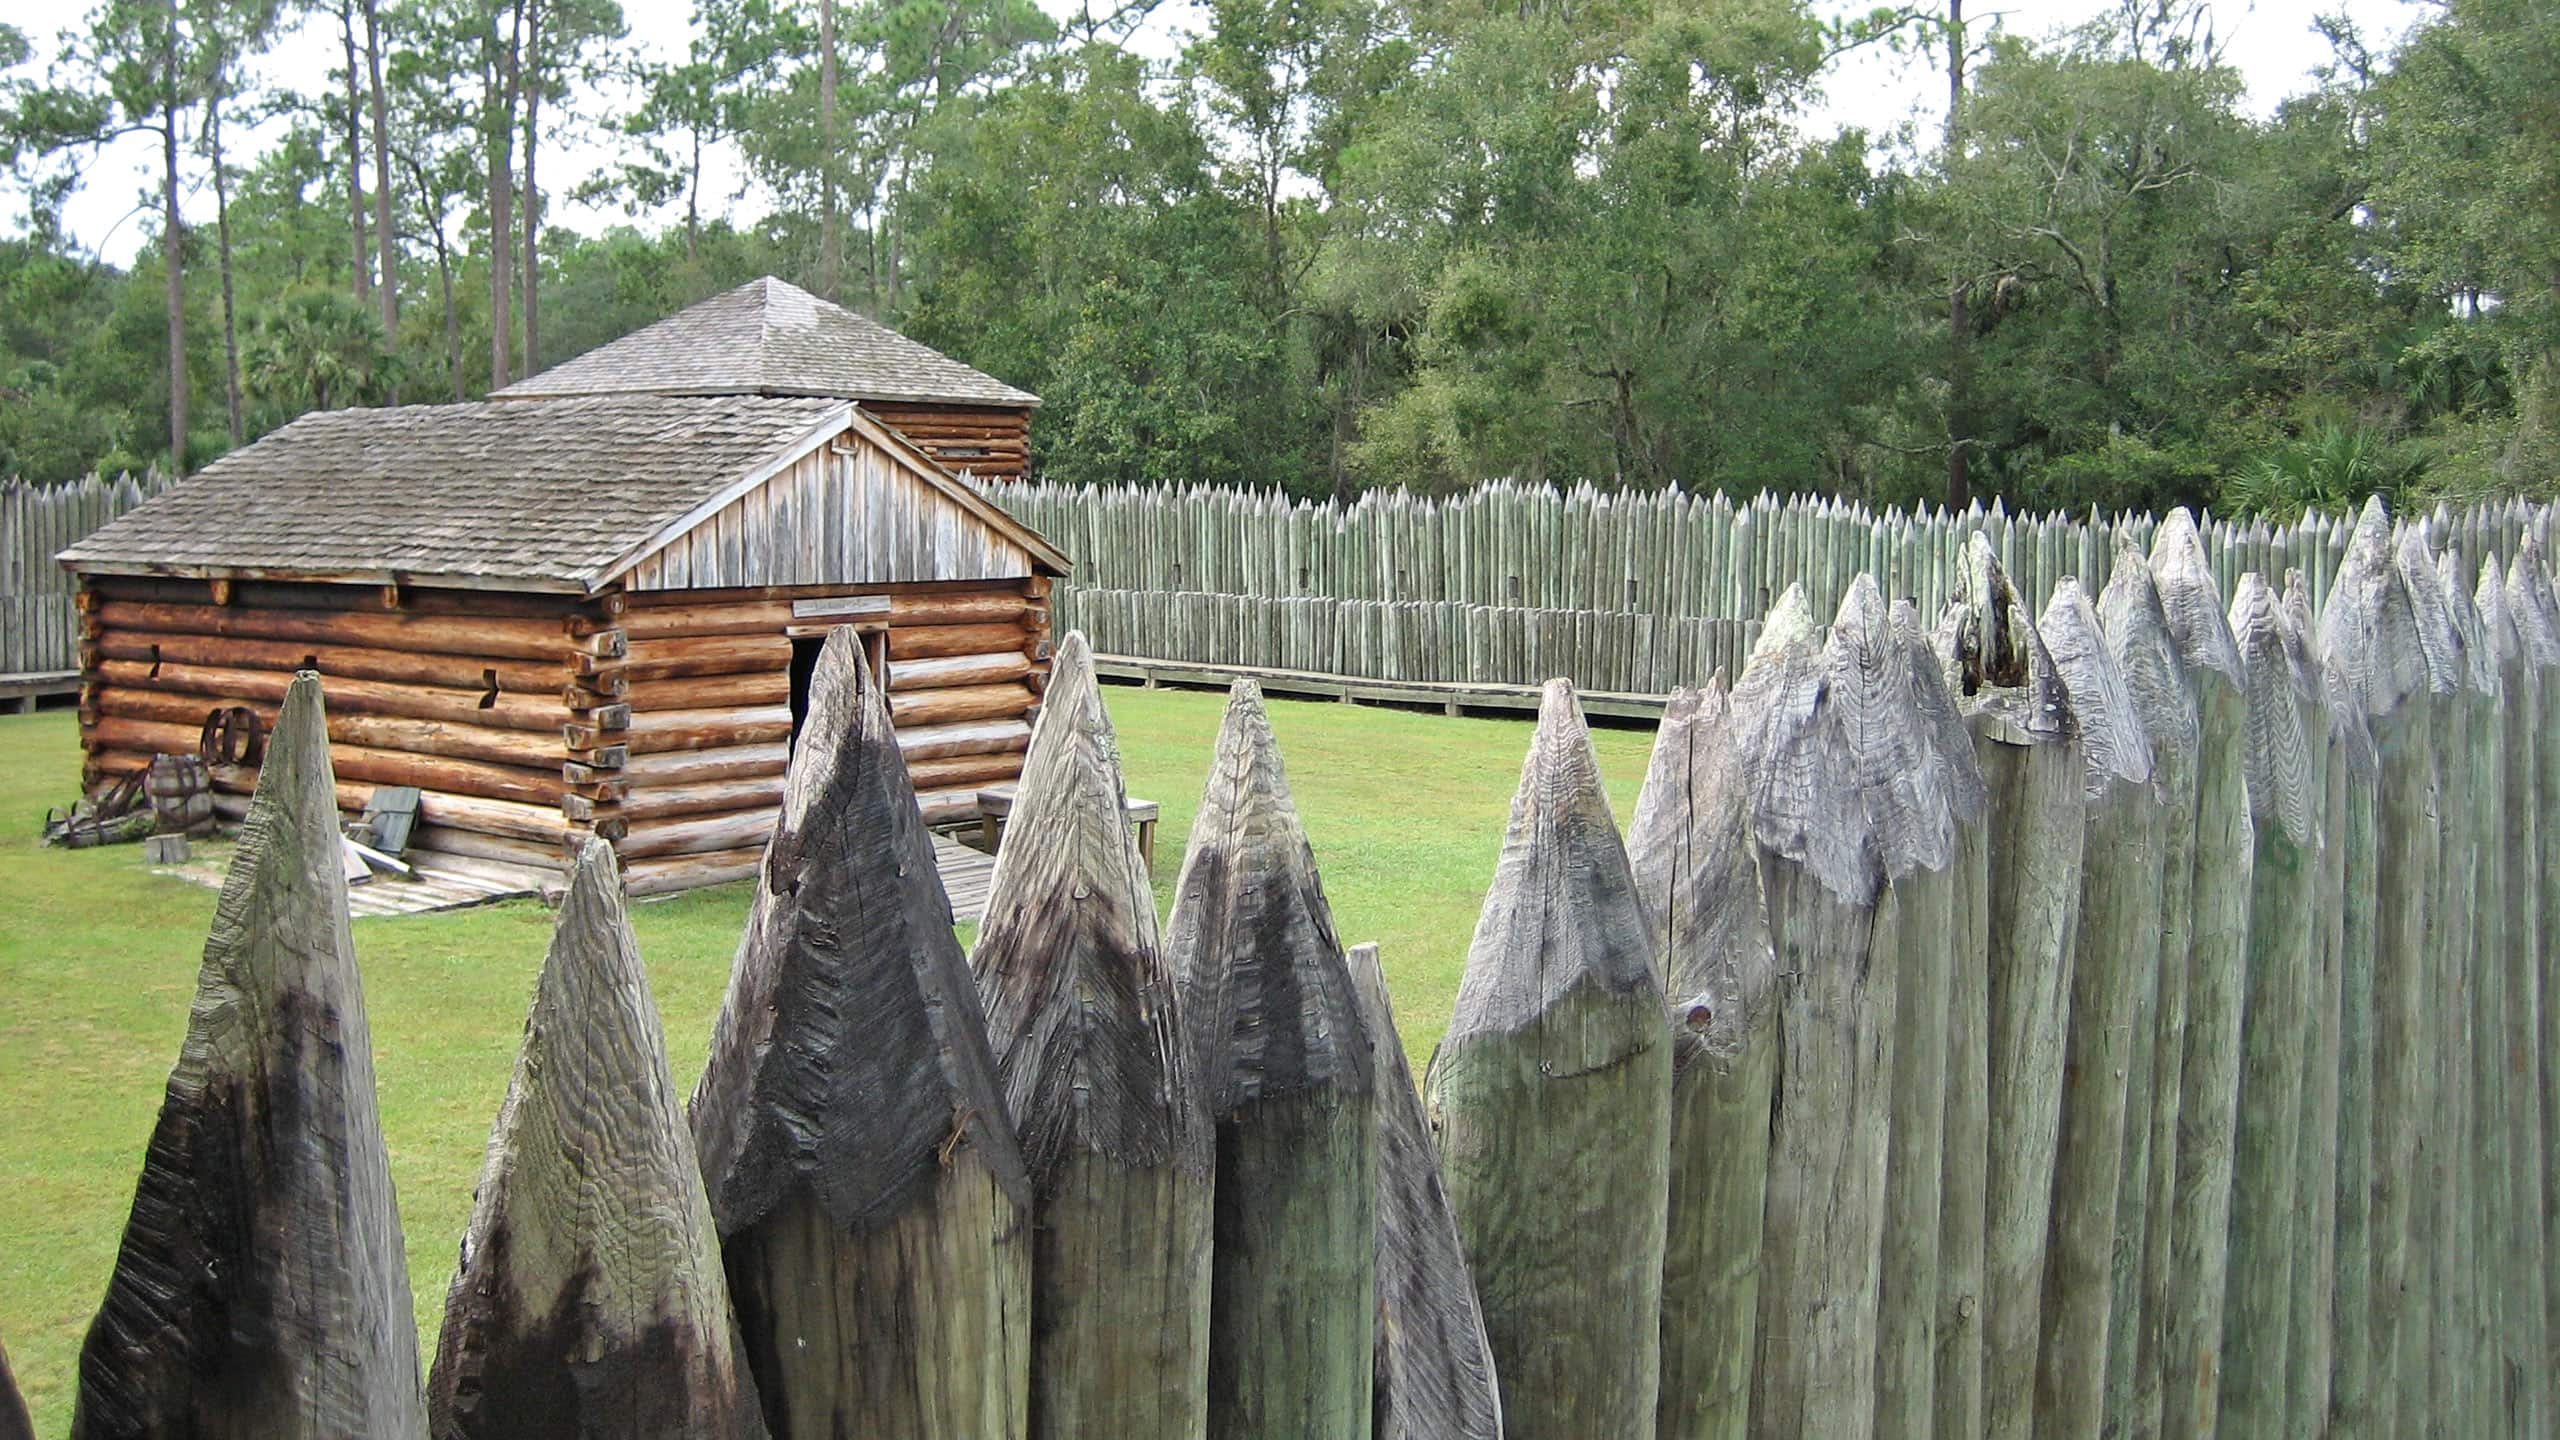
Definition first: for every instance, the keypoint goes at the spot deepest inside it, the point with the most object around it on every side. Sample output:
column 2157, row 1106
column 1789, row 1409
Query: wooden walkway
column 965, row 876
column 1449, row 697
column 21, row 689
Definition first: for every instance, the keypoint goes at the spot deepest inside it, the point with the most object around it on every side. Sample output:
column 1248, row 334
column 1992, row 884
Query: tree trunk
column 386, row 240
column 222, row 237
column 693, row 203
column 173, row 244
column 444, row 277
column 830, row 237
column 362, row 266
column 532, row 207
column 1959, row 322
column 500, row 119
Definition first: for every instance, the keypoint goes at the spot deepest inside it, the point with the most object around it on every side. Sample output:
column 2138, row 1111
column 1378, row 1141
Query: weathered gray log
column 1691, row 849
column 1850, row 802
column 261, row 1288
column 2428, row 1394
column 1434, row 1365
column 1926, row 900
column 2029, row 747
column 2544, row 1055
column 14, row 1422
column 1551, row 1097
column 2530, row 608
column 2163, row 698
column 868, row 1190
column 2275, row 1018
column 2473, row 825
column 1279, row 1050
column 1965, row 1139
column 2117, row 947
column 2369, row 631
column 589, row 1300
column 2209, row 1067
column 1088, row 1041
column 2343, row 756
column 2503, row 999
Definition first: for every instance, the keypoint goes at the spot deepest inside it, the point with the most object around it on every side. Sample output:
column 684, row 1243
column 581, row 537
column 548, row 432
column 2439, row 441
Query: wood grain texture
column 2115, row 956
column 1690, row 846
column 2275, row 1016
column 871, row 1200
column 2530, row 935
column 589, row 1300
column 261, row 1288
column 1279, row 1050
column 2163, row 699
column 1551, row 1097
column 1965, row 1137
column 2464, row 1352
column 1433, row 1371
column 2370, row 633
column 1114, row 1126
column 2030, row 748
column 2209, row 1067
column 2534, row 588
column 1927, row 898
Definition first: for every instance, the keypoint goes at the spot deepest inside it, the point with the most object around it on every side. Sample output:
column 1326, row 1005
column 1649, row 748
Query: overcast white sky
column 2272, row 43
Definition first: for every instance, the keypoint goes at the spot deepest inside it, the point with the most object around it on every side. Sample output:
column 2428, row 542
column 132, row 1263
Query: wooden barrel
column 180, row 788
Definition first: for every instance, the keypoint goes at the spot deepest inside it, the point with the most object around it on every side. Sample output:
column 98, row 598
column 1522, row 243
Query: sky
column 2271, row 42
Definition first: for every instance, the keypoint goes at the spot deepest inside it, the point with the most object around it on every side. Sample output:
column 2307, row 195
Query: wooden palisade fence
column 2129, row 1019
column 39, row 619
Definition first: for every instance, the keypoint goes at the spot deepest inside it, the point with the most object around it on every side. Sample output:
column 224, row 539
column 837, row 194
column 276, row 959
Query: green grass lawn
column 98, row 960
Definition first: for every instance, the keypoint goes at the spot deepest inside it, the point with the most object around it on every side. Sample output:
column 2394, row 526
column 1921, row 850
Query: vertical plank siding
column 39, row 621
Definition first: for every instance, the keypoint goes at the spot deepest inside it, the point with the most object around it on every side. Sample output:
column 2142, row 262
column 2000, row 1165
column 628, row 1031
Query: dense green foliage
column 1337, row 244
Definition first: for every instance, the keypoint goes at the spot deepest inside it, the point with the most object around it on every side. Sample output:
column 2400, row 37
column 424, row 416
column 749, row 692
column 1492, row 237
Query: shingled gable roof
column 560, row 495
column 770, row 338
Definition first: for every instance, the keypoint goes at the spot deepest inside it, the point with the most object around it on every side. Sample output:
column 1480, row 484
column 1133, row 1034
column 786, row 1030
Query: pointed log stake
column 1434, row 1365
column 2534, row 933
column 2275, row 1016
column 1852, row 800
column 2209, row 1066
column 261, row 1288
column 2472, row 823
column 1088, row 1043
column 871, row 1200
column 2117, row 951
column 1551, row 1097
column 1278, row 1047
column 590, row 1300
column 14, row 1424
column 1965, row 1138
column 1691, row 850
column 2163, row 700
column 2029, row 747
column 1926, row 899
column 2370, row 631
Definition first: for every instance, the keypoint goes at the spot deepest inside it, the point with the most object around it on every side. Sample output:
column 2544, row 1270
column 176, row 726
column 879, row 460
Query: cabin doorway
column 805, row 645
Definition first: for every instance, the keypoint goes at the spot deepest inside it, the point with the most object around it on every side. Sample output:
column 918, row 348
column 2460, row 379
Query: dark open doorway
column 804, row 664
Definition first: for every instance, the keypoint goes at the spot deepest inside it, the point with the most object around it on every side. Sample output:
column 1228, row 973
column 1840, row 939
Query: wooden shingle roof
column 545, row 495
column 770, row 338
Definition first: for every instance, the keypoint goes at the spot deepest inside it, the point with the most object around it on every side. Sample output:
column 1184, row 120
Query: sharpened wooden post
column 2028, row 745
column 2163, row 699
column 2209, row 1067
column 2343, row 768
column 2503, row 1001
column 262, row 1288
column 1434, row 1365
column 2275, row 1017
column 1088, row 1044
column 1965, row 1138
column 2117, row 947
column 869, row 1194
column 590, row 1299
column 1551, row 1096
column 1926, row 933
column 2371, row 630
column 1691, row 849
column 1278, row 1047
column 2336, row 1397
column 1846, row 809
column 2531, row 610
column 2475, row 1178
column 2543, row 1057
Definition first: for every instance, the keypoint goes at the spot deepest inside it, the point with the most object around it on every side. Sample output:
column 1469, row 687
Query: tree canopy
column 1329, row 245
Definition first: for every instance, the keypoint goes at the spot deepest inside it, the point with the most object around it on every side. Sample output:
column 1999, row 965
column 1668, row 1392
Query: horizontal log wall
column 706, row 675
column 982, row 441
column 471, row 697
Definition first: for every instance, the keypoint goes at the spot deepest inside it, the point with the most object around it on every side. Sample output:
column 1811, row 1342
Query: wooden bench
column 995, row 803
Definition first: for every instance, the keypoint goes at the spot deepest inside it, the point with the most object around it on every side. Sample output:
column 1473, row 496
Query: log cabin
column 589, row 615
